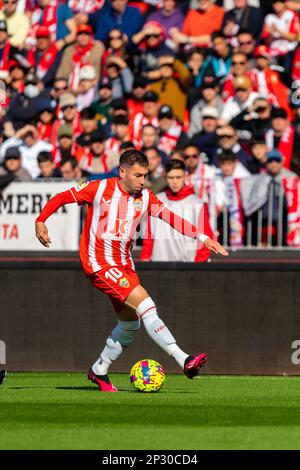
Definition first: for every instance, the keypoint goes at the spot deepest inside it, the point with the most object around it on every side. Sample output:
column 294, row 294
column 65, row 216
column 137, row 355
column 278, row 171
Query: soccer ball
column 147, row 375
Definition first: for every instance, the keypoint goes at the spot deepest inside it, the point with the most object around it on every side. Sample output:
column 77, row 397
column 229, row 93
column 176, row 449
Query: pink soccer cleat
column 193, row 364
column 102, row 381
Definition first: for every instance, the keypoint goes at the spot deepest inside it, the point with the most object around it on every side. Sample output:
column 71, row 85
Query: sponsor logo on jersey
column 79, row 187
column 123, row 282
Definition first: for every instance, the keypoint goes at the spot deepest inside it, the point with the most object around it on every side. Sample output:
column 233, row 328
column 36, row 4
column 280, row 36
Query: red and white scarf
column 86, row 6
column 285, row 145
column 81, row 57
column 45, row 62
column 46, row 17
column 169, row 139
column 139, row 122
column 291, row 187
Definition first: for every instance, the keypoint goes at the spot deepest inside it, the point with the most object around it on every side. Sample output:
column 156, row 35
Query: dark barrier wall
column 245, row 317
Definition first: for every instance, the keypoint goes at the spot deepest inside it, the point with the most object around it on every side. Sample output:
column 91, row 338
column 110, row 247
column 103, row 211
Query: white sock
column 120, row 338
column 158, row 331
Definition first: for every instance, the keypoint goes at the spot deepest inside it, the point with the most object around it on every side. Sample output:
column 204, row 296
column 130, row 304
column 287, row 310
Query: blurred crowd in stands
column 213, row 84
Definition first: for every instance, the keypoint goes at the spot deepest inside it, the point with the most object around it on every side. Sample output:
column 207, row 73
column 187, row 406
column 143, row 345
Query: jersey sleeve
column 155, row 206
column 85, row 193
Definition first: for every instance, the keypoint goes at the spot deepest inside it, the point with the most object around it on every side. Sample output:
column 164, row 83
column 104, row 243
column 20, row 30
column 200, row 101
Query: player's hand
column 214, row 246
column 41, row 232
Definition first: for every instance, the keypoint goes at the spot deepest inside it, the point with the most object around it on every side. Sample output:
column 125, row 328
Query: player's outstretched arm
column 52, row 205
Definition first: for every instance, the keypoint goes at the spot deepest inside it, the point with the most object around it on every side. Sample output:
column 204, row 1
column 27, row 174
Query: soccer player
column 2, row 375
column 116, row 207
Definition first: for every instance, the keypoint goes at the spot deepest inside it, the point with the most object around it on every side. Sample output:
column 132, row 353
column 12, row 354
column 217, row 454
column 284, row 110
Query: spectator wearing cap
column 254, row 120
column 68, row 114
column 12, row 169
column 282, row 137
column 135, row 101
column 210, row 98
column 44, row 56
column 88, row 123
column 85, row 51
column 150, row 44
column 259, row 190
column 280, row 32
column 86, row 90
column 206, row 140
column 46, row 116
column 218, row 63
column 168, row 16
column 58, row 17
column 120, row 133
column 5, row 51
column 26, row 139
column 242, row 99
column 245, row 16
column 199, row 24
column 18, row 24
column 147, row 116
column 47, row 167
column 117, row 15
column 174, row 80
column 228, row 140
column 120, row 77
column 239, row 68
column 66, row 146
column 268, row 82
column 103, row 105
column 171, row 134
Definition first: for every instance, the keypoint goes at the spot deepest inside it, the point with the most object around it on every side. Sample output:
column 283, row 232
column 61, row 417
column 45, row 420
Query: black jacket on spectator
column 251, row 19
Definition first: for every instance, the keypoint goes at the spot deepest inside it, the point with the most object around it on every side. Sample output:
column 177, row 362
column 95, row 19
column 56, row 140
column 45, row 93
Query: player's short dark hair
column 131, row 157
column 44, row 157
column 227, row 156
column 71, row 160
column 175, row 164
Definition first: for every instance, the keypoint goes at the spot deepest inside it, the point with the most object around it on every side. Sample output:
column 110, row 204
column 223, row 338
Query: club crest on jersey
column 123, row 282
column 79, row 187
column 138, row 204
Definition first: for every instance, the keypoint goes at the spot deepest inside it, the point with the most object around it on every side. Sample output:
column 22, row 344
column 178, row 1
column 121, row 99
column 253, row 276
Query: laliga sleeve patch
column 79, row 187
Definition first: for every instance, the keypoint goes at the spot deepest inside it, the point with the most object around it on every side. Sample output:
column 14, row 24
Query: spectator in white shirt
column 26, row 139
column 242, row 99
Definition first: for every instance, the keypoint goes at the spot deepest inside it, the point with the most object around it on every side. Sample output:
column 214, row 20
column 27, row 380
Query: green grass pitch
column 65, row 411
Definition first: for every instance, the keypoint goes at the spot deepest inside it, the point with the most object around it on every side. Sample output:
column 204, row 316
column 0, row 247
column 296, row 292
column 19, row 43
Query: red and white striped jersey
column 112, row 219
column 288, row 22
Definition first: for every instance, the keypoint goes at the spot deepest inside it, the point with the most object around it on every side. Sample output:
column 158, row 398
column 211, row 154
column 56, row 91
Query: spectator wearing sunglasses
column 239, row 67
column 246, row 44
column 199, row 174
column 12, row 169
column 17, row 23
column 116, row 46
column 150, row 44
column 117, row 14
column 67, row 114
